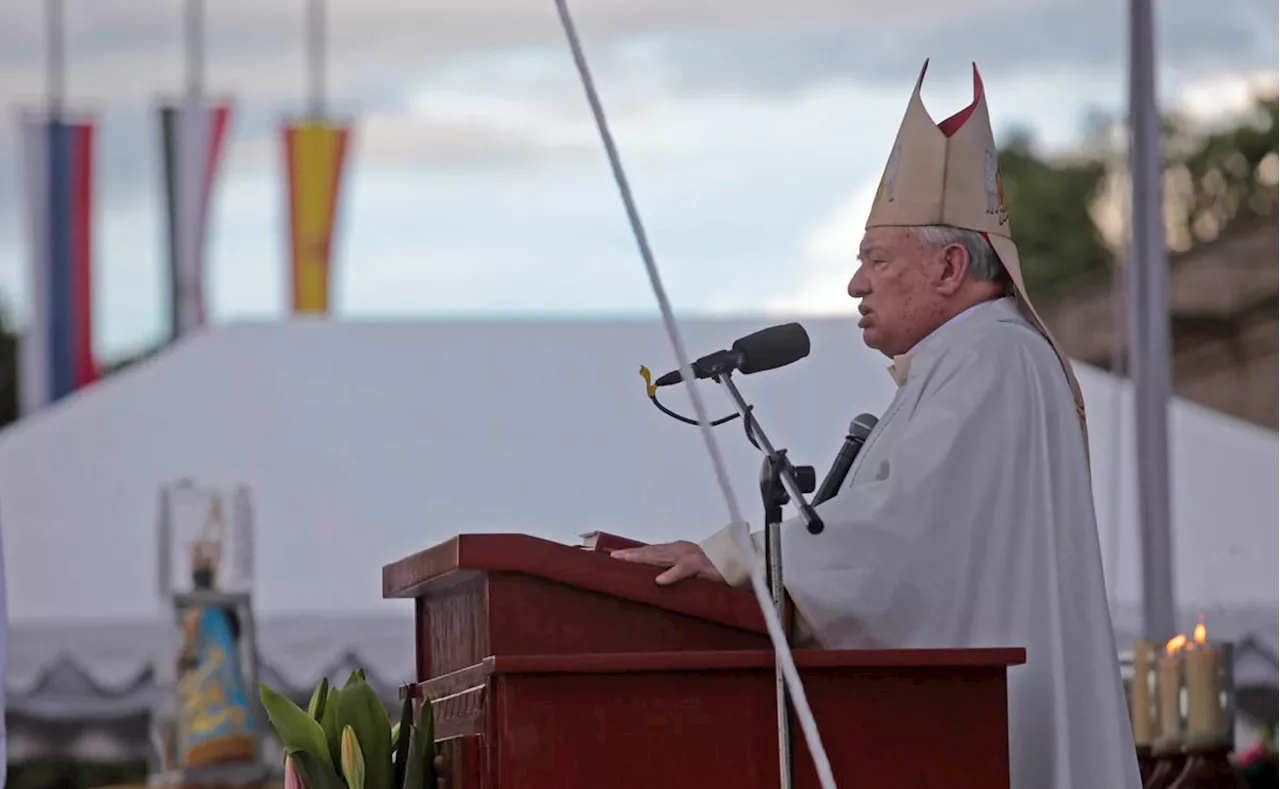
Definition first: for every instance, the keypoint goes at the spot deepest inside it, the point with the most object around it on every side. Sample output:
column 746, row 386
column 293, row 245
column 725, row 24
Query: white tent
column 362, row 443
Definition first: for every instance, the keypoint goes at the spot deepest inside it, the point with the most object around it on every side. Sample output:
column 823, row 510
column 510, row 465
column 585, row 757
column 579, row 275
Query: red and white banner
column 192, row 133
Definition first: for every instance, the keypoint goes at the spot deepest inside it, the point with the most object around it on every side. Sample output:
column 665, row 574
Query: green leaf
column 318, row 698
column 427, row 722
column 417, row 770
column 316, row 773
column 404, row 730
column 332, row 731
column 296, row 730
column 427, row 725
column 359, row 708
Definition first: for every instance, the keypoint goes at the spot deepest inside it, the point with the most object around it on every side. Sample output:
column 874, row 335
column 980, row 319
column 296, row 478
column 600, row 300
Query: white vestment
column 967, row 521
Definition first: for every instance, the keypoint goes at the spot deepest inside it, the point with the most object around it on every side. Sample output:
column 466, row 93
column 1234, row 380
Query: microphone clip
column 773, row 492
column 713, row 365
column 780, row 481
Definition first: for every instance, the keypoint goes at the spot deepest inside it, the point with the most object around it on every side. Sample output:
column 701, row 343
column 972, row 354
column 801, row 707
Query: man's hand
column 683, row 560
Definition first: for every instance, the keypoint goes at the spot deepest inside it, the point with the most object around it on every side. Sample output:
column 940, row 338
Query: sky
column 753, row 134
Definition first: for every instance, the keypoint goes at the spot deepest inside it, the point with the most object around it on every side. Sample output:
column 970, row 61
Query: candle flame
column 1180, row 642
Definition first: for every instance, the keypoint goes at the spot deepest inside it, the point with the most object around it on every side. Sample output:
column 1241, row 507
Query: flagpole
column 195, row 48
column 57, row 68
column 316, row 58
column 1149, row 362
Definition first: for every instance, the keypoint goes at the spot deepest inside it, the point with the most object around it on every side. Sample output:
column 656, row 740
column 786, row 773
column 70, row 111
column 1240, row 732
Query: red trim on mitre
column 987, row 236
column 952, row 125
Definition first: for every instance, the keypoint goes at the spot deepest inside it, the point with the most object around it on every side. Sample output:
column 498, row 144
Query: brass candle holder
column 1209, row 730
column 1187, row 715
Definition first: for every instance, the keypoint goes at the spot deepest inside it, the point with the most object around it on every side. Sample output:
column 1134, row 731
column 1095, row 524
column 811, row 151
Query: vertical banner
column 314, row 157
column 57, row 349
column 192, row 135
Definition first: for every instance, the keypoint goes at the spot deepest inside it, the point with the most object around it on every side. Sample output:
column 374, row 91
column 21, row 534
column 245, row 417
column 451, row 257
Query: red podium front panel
column 888, row 720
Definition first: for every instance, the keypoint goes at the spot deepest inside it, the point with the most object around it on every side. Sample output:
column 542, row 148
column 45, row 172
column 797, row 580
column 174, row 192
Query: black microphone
column 776, row 346
column 859, row 429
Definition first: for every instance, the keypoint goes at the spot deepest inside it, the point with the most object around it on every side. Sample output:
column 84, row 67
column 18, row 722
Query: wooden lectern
column 555, row 666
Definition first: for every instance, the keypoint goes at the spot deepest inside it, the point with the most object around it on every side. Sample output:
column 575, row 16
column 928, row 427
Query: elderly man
column 967, row 519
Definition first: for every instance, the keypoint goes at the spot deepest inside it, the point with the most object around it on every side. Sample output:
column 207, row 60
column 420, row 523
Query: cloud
column 1086, row 38
column 723, row 220
column 440, row 82
column 411, row 30
column 478, row 180
column 378, row 49
column 1224, row 97
column 830, row 247
column 830, row 251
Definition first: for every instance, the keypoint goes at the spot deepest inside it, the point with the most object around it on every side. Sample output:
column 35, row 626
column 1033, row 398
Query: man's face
column 896, row 281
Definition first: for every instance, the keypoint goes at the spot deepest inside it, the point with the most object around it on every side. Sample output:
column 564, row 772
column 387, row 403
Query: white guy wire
column 780, row 646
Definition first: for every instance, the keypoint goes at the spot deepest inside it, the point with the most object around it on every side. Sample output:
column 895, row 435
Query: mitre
column 947, row 174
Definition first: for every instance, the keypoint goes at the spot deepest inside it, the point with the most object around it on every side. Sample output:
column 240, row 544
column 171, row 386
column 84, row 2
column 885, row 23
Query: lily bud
column 292, row 780
column 352, row 759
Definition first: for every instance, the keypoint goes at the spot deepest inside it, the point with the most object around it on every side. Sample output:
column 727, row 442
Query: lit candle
column 1140, row 694
column 1202, row 692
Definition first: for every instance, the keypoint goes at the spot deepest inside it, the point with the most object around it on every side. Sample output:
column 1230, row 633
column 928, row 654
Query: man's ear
column 955, row 269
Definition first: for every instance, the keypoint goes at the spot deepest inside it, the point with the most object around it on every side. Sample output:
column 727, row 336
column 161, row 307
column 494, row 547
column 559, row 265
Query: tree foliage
column 1217, row 179
column 1057, row 239
column 1212, row 180
column 8, row 369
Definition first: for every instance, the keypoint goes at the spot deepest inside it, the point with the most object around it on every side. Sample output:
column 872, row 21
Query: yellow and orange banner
column 314, row 155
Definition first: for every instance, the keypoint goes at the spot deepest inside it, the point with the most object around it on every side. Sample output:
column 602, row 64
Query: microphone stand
column 780, row 482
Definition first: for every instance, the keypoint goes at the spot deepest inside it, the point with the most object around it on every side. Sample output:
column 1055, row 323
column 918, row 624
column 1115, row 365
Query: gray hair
column 983, row 263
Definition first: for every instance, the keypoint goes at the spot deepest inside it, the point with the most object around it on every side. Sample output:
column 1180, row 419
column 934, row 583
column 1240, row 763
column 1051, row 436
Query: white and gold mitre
column 947, row 174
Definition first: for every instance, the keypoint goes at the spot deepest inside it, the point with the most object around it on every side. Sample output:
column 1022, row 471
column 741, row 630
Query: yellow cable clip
column 648, row 384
